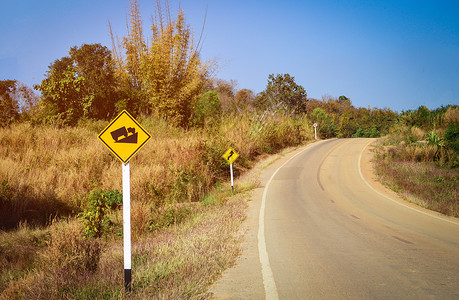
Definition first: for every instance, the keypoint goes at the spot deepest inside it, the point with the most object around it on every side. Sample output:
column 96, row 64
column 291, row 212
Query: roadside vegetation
column 60, row 188
column 420, row 158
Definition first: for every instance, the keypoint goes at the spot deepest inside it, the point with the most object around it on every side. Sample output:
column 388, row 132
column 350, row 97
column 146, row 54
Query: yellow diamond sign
column 124, row 136
column 230, row 156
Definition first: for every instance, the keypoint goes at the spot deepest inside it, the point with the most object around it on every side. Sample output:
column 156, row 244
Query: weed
column 411, row 169
column 69, row 253
column 95, row 217
column 170, row 215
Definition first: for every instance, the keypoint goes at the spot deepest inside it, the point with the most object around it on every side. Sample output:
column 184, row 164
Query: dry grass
column 19, row 251
column 47, row 171
column 183, row 225
column 178, row 262
column 410, row 171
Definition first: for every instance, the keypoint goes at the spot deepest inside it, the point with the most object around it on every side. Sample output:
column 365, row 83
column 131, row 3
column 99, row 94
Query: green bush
column 95, row 217
column 207, row 110
column 452, row 136
column 326, row 126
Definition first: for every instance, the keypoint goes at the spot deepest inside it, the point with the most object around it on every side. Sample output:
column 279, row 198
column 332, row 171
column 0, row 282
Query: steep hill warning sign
column 124, row 136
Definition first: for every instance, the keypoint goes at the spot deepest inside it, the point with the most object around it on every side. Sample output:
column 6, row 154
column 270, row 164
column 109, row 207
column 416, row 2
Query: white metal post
column 315, row 131
column 232, row 183
column 127, row 226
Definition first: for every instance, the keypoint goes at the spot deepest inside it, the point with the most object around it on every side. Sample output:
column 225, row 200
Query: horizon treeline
column 163, row 75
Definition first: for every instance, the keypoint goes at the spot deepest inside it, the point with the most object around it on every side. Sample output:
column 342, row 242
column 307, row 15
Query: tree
column 128, row 69
column 283, row 92
column 81, row 85
column 9, row 108
column 244, row 98
column 94, row 63
column 348, row 123
column 168, row 74
column 207, row 110
column 344, row 100
column 26, row 99
column 173, row 71
column 226, row 91
column 326, row 126
column 136, row 47
column 61, row 93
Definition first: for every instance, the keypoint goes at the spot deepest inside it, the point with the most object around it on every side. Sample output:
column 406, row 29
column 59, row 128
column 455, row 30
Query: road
column 320, row 228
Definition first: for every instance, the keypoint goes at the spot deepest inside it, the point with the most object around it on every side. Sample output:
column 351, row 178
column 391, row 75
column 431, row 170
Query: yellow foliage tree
column 168, row 71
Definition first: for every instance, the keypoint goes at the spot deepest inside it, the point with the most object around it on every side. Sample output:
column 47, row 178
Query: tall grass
column 418, row 171
column 47, row 173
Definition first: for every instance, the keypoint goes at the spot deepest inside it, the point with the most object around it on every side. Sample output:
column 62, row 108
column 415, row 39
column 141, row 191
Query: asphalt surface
column 319, row 227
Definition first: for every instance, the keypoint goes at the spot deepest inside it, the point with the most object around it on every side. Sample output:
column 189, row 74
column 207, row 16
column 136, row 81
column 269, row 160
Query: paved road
column 326, row 233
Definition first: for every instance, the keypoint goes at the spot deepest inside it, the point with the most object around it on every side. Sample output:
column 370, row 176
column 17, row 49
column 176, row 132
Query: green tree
column 326, row 126
column 207, row 110
column 283, row 92
column 452, row 136
column 81, row 85
column 420, row 118
column 94, row 63
column 226, row 91
column 62, row 94
column 348, row 123
column 344, row 100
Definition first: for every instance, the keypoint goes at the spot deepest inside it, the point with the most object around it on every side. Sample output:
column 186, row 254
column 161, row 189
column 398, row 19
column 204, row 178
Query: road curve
column 326, row 233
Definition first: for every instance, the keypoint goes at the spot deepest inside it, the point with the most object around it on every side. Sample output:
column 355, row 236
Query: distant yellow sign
column 124, row 136
column 230, row 156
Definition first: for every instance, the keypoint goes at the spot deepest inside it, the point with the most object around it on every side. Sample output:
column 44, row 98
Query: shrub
column 433, row 139
column 452, row 136
column 95, row 216
column 170, row 215
column 207, row 110
column 326, row 126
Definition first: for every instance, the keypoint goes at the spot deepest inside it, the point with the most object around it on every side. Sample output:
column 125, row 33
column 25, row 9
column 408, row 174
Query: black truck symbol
column 130, row 136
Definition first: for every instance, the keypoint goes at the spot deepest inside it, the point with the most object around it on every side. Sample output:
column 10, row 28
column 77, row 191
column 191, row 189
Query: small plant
column 433, row 139
column 96, row 215
column 170, row 215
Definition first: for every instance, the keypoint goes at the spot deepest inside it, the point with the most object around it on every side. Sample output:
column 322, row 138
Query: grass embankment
column 420, row 172
column 183, row 222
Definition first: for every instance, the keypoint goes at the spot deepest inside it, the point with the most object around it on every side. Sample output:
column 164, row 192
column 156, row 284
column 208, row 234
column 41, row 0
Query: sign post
column 230, row 156
column 124, row 137
column 127, row 227
column 315, row 130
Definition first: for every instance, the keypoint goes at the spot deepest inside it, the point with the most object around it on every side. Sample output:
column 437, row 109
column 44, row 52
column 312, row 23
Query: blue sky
column 396, row 54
